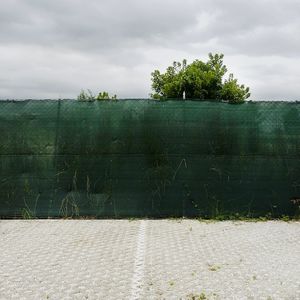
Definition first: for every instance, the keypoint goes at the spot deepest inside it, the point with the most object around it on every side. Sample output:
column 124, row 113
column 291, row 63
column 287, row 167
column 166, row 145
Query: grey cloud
column 96, row 24
column 54, row 48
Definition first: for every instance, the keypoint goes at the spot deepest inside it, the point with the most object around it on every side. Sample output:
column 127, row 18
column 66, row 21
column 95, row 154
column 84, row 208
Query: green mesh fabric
column 135, row 158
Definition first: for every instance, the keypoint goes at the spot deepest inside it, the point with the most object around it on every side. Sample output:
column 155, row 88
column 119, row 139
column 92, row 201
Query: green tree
column 106, row 96
column 198, row 80
column 233, row 92
column 88, row 96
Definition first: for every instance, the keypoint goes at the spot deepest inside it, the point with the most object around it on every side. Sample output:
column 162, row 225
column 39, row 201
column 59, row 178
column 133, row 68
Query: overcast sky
column 52, row 49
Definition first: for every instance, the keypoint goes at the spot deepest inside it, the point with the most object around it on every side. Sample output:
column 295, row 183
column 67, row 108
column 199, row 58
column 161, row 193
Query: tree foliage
column 89, row 96
column 106, row 96
column 86, row 96
column 199, row 80
column 233, row 92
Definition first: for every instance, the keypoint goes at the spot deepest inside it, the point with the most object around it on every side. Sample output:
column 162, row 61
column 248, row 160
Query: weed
column 176, row 171
column 201, row 296
column 69, row 207
column 236, row 217
column 27, row 212
column 214, row 268
column 285, row 218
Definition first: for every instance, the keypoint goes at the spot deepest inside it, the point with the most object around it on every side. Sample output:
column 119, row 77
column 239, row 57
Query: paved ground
column 149, row 259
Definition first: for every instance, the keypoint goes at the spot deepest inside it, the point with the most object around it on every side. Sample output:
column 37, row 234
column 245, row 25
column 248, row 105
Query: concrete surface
column 149, row 259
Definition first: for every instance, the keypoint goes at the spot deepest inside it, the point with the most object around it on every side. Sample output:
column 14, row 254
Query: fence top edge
column 150, row 100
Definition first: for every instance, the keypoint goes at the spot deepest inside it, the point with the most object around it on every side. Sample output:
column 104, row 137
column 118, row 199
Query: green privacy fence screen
column 134, row 158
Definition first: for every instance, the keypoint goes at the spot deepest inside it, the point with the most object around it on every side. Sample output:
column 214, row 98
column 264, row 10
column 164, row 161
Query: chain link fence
column 137, row 158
